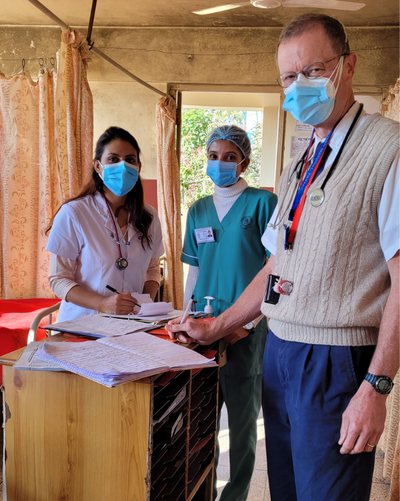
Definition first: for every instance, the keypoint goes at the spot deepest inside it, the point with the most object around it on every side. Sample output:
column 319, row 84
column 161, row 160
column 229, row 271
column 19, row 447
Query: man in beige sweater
column 331, row 288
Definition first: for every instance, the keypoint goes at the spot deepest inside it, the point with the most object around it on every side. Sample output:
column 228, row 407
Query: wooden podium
column 70, row 439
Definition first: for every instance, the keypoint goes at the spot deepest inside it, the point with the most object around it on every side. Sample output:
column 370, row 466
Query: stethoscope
column 298, row 172
column 121, row 263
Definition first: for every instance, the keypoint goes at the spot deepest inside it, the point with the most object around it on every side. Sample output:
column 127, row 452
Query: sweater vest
column 340, row 277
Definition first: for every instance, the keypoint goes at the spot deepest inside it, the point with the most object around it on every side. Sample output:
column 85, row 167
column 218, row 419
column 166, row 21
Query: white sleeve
column 153, row 271
column 61, row 275
column 389, row 211
column 157, row 246
column 191, row 281
column 270, row 235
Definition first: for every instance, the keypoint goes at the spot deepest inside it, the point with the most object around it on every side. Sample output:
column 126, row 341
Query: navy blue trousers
column 306, row 388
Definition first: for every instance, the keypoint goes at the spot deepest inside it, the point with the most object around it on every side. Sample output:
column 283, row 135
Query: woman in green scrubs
column 224, row 250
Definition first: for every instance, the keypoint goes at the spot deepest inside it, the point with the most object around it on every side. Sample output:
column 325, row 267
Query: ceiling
column 178, row 13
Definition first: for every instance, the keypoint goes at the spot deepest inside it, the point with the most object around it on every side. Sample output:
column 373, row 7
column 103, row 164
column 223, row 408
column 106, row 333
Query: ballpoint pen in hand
column 185, row 315
column 116, row 292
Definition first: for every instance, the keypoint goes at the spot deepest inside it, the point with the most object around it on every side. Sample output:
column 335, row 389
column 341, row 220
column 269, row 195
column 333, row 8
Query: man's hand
column 191, row 330
column 363, row 421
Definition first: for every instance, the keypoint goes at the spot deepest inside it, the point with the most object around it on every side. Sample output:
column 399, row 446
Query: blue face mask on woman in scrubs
column 222, row 173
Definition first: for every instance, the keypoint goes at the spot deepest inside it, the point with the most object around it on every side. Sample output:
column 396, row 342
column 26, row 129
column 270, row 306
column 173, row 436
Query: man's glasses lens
column 313, row 70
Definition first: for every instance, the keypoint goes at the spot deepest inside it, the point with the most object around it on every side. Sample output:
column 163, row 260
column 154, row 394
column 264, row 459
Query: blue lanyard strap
column 310, row 171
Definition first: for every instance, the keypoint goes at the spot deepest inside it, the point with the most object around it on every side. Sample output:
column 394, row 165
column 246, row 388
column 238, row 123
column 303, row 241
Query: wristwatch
column 249, row 327
column 381, row 384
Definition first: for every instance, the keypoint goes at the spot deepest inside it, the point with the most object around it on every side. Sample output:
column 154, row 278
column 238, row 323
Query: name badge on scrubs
column 204, row 235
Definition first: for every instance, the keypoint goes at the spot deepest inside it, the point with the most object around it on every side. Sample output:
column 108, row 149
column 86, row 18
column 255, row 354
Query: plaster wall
column 197, row 55
column 133, row 107
column 208, row 56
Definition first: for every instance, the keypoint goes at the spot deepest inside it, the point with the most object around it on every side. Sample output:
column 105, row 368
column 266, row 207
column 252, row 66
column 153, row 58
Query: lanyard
column 308, row 178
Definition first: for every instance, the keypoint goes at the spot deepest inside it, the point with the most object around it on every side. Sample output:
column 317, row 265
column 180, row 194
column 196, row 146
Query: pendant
column 121, row 263
column 284, row 287
column 317, row 197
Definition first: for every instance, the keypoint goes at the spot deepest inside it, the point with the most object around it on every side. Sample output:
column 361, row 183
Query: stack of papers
column 102, row 325
column 29, row 361
column 113, row 361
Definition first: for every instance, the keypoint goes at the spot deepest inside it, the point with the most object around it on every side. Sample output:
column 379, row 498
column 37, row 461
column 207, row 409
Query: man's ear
column 349, row 65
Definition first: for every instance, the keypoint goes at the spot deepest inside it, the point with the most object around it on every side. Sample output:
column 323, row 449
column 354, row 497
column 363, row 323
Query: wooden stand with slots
column 68, row 438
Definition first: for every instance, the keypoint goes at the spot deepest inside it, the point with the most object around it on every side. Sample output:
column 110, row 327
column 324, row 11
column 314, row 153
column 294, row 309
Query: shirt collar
column 342, row 128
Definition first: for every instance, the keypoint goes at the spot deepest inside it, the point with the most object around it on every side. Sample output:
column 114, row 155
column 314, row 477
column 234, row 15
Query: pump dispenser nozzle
column 208, row 308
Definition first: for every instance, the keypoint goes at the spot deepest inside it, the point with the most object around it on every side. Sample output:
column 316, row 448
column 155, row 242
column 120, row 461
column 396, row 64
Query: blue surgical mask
column 312, row 101
column 222, row 173
column 119, row 178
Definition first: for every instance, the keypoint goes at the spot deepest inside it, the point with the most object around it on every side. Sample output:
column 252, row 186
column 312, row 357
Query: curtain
column 73, row 114
column 169, row 200
column 42, row 161
column 391, row 438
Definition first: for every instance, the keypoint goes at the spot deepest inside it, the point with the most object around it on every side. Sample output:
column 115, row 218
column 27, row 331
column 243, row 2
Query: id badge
column 204, row 235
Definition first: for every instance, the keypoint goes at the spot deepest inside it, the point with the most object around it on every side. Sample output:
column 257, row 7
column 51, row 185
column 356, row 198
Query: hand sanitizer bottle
column 208, row 308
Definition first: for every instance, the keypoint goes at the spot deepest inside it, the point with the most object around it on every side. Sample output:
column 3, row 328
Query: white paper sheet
column 151, row 318
column 29, row 361
column 113, row 361
column 155, row 309
column 142, row 298
column 99, row 326
column 152, row 347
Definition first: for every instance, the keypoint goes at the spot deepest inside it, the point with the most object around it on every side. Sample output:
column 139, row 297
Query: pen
column 185, row 315
column 116, row 292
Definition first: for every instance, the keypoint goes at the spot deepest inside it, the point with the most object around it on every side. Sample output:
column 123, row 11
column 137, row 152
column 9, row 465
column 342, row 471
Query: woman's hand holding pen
column 118, row 304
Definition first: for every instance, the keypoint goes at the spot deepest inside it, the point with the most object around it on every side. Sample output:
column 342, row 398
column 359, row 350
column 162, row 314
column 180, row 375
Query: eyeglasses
column 311, row 71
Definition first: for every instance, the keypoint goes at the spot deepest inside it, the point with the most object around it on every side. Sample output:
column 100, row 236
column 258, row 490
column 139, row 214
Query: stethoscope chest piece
column 317, row 197
column 121, row 263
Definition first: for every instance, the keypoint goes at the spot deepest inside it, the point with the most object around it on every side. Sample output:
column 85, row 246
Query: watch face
column 382, row 385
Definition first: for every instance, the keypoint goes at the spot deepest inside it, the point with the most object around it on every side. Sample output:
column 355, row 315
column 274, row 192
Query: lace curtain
column 43, row 160
column 169, row 200
column 391, row 438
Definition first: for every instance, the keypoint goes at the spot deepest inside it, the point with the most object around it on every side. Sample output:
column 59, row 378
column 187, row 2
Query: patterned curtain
column 169, row 200
column 391, row 438
column 41, row 162
column 73, row 114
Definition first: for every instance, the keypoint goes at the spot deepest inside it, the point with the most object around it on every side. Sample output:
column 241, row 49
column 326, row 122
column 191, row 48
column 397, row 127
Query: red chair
column 18, row 321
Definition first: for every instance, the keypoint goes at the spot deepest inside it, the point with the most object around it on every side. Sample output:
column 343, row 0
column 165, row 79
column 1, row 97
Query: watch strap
column 375, row 381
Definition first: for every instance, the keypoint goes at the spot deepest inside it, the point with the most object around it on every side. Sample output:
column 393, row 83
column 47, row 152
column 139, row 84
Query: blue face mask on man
column 311, row 100
column 222, row 173
column 119, row 178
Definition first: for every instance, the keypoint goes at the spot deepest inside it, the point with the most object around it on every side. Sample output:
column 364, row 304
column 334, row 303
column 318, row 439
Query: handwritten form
column 110, row 362
column 29, row 361
column 99, row 326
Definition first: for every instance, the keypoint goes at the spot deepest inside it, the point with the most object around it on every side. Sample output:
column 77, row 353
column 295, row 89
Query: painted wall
column 222, row 56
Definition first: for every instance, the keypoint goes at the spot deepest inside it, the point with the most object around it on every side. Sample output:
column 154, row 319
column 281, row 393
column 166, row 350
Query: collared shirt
column 389, row 206
column 83, row 231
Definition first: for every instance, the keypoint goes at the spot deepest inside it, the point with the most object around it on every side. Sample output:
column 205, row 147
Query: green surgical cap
column 234, row 134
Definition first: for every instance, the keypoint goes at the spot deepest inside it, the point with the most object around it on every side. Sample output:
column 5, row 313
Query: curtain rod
column 64, row 26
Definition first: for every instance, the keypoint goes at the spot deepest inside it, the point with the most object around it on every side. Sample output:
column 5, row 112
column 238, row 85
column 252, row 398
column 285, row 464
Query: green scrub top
column 229, row 264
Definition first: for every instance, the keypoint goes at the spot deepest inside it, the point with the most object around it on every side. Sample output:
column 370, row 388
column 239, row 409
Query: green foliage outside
column 196, row 125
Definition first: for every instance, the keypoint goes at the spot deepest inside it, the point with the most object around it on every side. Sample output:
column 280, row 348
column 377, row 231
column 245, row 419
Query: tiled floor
column 259, row 490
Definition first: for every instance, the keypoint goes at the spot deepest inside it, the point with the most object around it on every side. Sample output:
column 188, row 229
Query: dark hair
column 333, row 28
column 139, row 216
